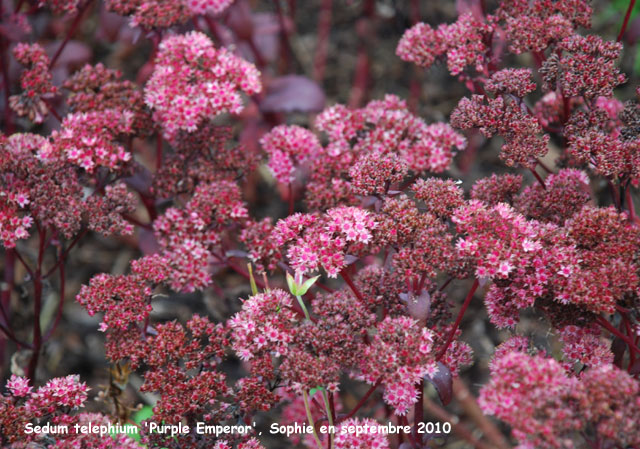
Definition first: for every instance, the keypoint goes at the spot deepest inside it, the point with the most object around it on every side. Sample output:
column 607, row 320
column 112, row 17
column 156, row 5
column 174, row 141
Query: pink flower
column 194, row 82
column 19, row 386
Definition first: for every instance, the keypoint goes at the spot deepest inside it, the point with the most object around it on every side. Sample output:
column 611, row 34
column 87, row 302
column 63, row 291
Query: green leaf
column 293, row 287
column 252, row 281
column 302, row 289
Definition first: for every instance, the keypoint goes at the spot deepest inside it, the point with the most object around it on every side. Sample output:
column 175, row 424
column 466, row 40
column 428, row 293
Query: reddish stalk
column 418, row 409
column 23, row 262
column 362, row 401
column 159, row 152
column 537, row 176
column 544, row 167
column 470, row 405
column 37, row 307
column 442, row 415
column 630, row 334
column 56, row 321
column 447, row 282
column 137, row 222
column 291, row 200
column 324, row 27
column 285, row 44
column 630, row 205
column 74, row 26
column 627, row 16
column 352, row 286
column 66, row 253
column 605, row 324
column 452, row 334
column 6, row 83
column 363, row 66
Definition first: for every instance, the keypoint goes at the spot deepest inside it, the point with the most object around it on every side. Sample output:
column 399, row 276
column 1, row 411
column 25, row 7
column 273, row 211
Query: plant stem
column 627, row 16
column 324, row 27
column 537, row 176
column 362, row 401
column 303, row 307
column 56, row 321
column 605, row 324
column 444, row 416
column 452, row 334
column 72, row 30
column 305, row 396
column 37, row 307
column 291, row 199
column 630, row 205
column 352, row 286
column 470, row 405
column 327, row 406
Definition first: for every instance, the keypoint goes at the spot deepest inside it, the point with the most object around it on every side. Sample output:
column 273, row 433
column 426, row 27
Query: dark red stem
column 452, row 333
column 418, row 410
column 74, row 26
column 159, row 152
column 352, row 286
column 66, row 252
column 362, row 401
column 291, row 199
column 37, row 307
column 324, row 27
column 56, row 321
column 605, row 324
column 627, row 16
column 537, row 176
column 6, row 83
column 630, row 205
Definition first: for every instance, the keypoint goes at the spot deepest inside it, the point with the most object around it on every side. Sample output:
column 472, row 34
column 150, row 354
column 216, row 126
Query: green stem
column 303, row 307
column 325, row 396
column 305, row 396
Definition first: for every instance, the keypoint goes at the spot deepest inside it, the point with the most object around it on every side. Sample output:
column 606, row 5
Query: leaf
column 291, row 282
column 252, row 281
column 618, row 348
column 306, row 285
column 293, row 93
column 443, row 383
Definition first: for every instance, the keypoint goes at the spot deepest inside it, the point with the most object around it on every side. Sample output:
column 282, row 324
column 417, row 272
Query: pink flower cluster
column 89, row 139
column 325, row 240
column 194, row 82
column 504, row 116
column 464, row 43
column 165, row 13
column 264, row 325
column 534, row 26
column 188, row 236
column 288, row 147
column 587, row 67
column 496, row 238
column 370, row 150
column 400, row 355
column 547, row 408
column 35, row 82
column 123, row 299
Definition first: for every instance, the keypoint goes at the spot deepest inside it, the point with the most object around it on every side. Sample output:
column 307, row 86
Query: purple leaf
column 633, row 31
column 470, row 6
column 443, row 383
column 74, row 55
column 266, row 29
column 618, row 347
column 635, row 368
column 147, row 242
column 293, row 93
